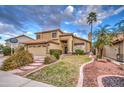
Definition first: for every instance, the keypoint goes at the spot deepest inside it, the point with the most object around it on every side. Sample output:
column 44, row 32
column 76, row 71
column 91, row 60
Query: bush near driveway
column 49, row 59
column 55, row 50
column 79, row 52
column 18, row 59
column 62, row 74
column 56, row 53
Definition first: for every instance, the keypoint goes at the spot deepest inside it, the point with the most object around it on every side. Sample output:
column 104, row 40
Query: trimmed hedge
column 49, row 59
column 79, row 52
column 56, row 53
column 18, row 59
column 55, row 50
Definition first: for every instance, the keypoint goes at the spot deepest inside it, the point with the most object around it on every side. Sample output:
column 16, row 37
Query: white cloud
column 76, row 34
column 69, row 10
column 29, row 33
column 101, row 14
column 118, row 10
column 66, row 23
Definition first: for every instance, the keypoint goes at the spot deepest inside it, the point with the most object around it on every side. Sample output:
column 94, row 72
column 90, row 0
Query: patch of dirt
column 97, row 68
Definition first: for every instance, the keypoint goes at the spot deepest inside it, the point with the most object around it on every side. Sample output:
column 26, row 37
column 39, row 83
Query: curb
column 99, row 79
column 81, row 73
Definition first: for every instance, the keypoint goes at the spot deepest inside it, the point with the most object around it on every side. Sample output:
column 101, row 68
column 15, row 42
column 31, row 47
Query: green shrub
column 55, row 50
column 49, row 59
column 6, row 51
column 18, row 59
column 79, row 52
column 56, row 55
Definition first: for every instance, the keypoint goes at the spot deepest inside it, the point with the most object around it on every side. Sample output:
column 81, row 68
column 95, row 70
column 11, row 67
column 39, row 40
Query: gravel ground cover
column 113, row 81
column 98, row 68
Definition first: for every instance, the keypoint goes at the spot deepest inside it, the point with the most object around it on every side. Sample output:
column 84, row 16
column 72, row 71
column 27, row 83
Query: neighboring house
column 21, row 38
column 117, row 50
column 56, row 39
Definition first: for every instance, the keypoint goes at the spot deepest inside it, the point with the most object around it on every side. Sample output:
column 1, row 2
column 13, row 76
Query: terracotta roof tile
column 39, row 42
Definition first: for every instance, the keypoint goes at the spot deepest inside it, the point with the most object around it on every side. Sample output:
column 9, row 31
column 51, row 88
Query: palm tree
column 103, row 36
column 120, row 27
column 92, row 17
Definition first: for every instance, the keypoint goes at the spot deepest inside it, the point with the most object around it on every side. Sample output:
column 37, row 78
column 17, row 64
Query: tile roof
column 117, row 40
column 39, row 42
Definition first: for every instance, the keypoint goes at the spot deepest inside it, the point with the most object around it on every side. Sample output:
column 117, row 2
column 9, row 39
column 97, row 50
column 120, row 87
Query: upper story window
column 38, row 36
column 54, row 34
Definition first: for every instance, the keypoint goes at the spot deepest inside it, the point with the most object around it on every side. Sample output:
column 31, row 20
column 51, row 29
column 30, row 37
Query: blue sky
column 18, row 20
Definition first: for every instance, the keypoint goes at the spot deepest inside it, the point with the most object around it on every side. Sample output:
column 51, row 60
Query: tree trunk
column 101, row 52
column 91, row 35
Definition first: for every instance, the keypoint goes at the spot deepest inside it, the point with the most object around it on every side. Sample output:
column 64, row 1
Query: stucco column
column 70, row 45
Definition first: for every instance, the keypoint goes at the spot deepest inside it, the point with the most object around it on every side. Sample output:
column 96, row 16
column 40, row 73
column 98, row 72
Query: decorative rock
column 113, row 81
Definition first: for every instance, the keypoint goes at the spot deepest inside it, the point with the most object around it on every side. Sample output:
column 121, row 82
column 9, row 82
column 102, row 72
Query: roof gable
column 19, row 37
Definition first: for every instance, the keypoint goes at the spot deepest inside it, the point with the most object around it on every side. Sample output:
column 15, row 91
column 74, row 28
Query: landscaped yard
column 63, row 74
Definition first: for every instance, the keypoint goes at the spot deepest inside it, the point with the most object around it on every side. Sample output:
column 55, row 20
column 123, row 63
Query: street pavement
column 10, row 80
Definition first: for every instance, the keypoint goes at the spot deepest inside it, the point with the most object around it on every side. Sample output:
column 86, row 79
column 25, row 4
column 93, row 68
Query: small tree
column 103, row 36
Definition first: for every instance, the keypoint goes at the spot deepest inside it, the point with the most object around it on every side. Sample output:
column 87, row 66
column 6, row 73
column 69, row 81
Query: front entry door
column 65, row 50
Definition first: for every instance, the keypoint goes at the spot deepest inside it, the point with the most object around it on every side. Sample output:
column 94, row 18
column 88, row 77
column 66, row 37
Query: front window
column 38, row 36
column 54, row 35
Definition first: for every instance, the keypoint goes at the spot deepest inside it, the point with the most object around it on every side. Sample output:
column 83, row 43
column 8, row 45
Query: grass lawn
column 63, row 74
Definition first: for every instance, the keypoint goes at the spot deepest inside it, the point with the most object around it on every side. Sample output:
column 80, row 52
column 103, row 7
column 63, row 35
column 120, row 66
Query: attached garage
column 40, row 48
column 37, row 50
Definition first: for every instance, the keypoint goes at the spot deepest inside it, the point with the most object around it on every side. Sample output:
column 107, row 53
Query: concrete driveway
column 10, row 80
column 2, row 58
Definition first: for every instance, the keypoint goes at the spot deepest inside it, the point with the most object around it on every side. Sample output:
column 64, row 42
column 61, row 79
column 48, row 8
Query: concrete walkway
column 38, row 62
column 10, row 80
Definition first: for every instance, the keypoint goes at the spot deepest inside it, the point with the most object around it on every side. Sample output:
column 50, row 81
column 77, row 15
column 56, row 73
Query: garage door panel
column 37, row 51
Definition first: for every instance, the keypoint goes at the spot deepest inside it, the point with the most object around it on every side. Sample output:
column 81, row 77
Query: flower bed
column 98, row 68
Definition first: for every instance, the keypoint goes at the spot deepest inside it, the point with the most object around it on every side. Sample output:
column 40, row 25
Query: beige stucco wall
column 37, row 50
column 82, row 47
column 54, row 46
column 48, row 35
column 85, row 47
column 112, row 51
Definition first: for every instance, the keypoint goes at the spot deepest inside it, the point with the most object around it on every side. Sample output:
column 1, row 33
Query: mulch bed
column 113, row 81
column 97, row 68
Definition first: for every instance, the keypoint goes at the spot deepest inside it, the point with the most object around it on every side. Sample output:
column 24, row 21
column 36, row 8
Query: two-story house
column 56, row 39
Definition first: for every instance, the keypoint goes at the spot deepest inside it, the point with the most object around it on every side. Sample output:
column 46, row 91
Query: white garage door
column 37, row 50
